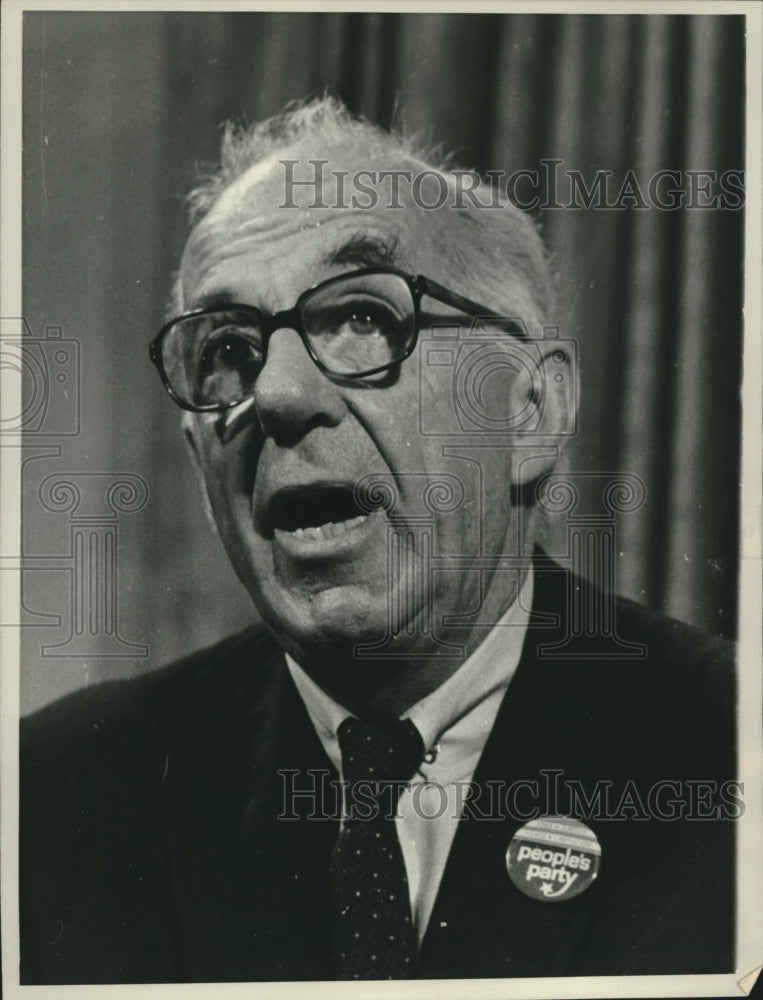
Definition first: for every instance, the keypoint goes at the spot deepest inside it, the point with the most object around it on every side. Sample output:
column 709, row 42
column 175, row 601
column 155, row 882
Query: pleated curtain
column 122, row 109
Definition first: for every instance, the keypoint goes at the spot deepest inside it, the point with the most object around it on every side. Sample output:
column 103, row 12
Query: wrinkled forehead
column 325, row 199
column 301, row 177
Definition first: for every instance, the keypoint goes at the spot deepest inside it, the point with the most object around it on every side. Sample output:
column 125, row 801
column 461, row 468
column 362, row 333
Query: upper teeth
column 332, row 529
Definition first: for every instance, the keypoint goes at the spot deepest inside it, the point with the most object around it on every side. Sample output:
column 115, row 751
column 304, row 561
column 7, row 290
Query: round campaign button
column 553, row 858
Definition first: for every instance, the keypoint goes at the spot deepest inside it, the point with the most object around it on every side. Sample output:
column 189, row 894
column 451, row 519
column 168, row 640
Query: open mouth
column 316, row 513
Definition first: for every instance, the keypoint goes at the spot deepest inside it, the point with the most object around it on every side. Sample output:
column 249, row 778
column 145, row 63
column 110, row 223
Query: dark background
column 120, row 109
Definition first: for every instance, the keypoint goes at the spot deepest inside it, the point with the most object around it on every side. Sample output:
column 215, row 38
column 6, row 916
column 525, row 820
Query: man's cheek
column 435, row 391
column 231, row 513
column 227, row 468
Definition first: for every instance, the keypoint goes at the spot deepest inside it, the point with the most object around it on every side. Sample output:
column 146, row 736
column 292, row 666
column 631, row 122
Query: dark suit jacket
column 151, row 850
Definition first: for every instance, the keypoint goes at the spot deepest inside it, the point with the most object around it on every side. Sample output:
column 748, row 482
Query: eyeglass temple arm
column 471, row 308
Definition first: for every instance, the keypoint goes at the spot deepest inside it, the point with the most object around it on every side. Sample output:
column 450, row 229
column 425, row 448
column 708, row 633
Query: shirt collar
column 456, row 718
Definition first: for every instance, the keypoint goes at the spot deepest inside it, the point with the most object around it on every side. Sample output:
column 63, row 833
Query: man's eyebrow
column 216, row 298
column 365, row 251
column 358, row 251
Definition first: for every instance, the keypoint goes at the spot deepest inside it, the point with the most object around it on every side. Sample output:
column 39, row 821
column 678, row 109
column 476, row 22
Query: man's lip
column 290, row 507
column 307, row 544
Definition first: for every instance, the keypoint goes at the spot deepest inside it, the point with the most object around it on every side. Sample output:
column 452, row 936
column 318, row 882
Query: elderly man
column 419, row 768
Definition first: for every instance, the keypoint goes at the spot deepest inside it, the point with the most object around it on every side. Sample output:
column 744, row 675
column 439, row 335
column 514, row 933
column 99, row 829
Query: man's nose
column 292, row 394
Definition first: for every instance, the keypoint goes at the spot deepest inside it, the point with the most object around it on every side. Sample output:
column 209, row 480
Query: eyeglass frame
column 291, row 319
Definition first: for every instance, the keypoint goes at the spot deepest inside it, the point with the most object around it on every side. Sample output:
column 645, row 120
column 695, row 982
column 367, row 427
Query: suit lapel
column 250, row 903
column 556, row 717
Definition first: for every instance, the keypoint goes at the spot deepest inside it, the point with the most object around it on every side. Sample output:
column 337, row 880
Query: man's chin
column 333, row 621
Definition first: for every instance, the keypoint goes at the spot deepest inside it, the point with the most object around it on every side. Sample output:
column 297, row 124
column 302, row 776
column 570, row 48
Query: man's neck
column 391, row 684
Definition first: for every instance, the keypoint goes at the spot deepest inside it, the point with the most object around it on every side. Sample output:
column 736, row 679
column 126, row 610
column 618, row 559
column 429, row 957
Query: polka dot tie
column 372, row 933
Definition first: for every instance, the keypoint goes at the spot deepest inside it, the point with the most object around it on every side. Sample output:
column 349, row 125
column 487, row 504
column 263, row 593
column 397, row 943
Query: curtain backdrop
column 120, row 109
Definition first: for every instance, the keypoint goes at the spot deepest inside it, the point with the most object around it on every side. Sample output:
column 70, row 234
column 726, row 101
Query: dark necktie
column 372, row 933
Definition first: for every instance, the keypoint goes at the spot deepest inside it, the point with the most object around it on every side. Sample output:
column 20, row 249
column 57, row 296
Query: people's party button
column 553, row 858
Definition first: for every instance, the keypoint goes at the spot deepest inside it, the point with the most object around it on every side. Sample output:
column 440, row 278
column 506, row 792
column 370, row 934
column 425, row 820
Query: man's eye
column 227, row 349
column 363, row 320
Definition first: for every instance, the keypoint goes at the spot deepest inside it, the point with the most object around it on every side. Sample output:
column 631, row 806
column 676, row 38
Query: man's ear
column 546, row 395
column 188, row 426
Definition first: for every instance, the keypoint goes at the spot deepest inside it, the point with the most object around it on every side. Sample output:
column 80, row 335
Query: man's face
column 294, row 454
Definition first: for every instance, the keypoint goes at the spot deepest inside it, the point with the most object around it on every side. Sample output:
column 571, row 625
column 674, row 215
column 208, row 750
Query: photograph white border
column 750, row 827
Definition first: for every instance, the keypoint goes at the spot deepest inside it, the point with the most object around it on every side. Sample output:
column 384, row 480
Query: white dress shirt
column 455, row 721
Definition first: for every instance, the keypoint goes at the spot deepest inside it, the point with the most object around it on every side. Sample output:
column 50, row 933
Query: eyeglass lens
column 354, row 326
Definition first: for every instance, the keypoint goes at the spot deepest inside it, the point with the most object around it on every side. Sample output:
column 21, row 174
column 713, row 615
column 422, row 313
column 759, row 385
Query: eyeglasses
column 353, row 326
